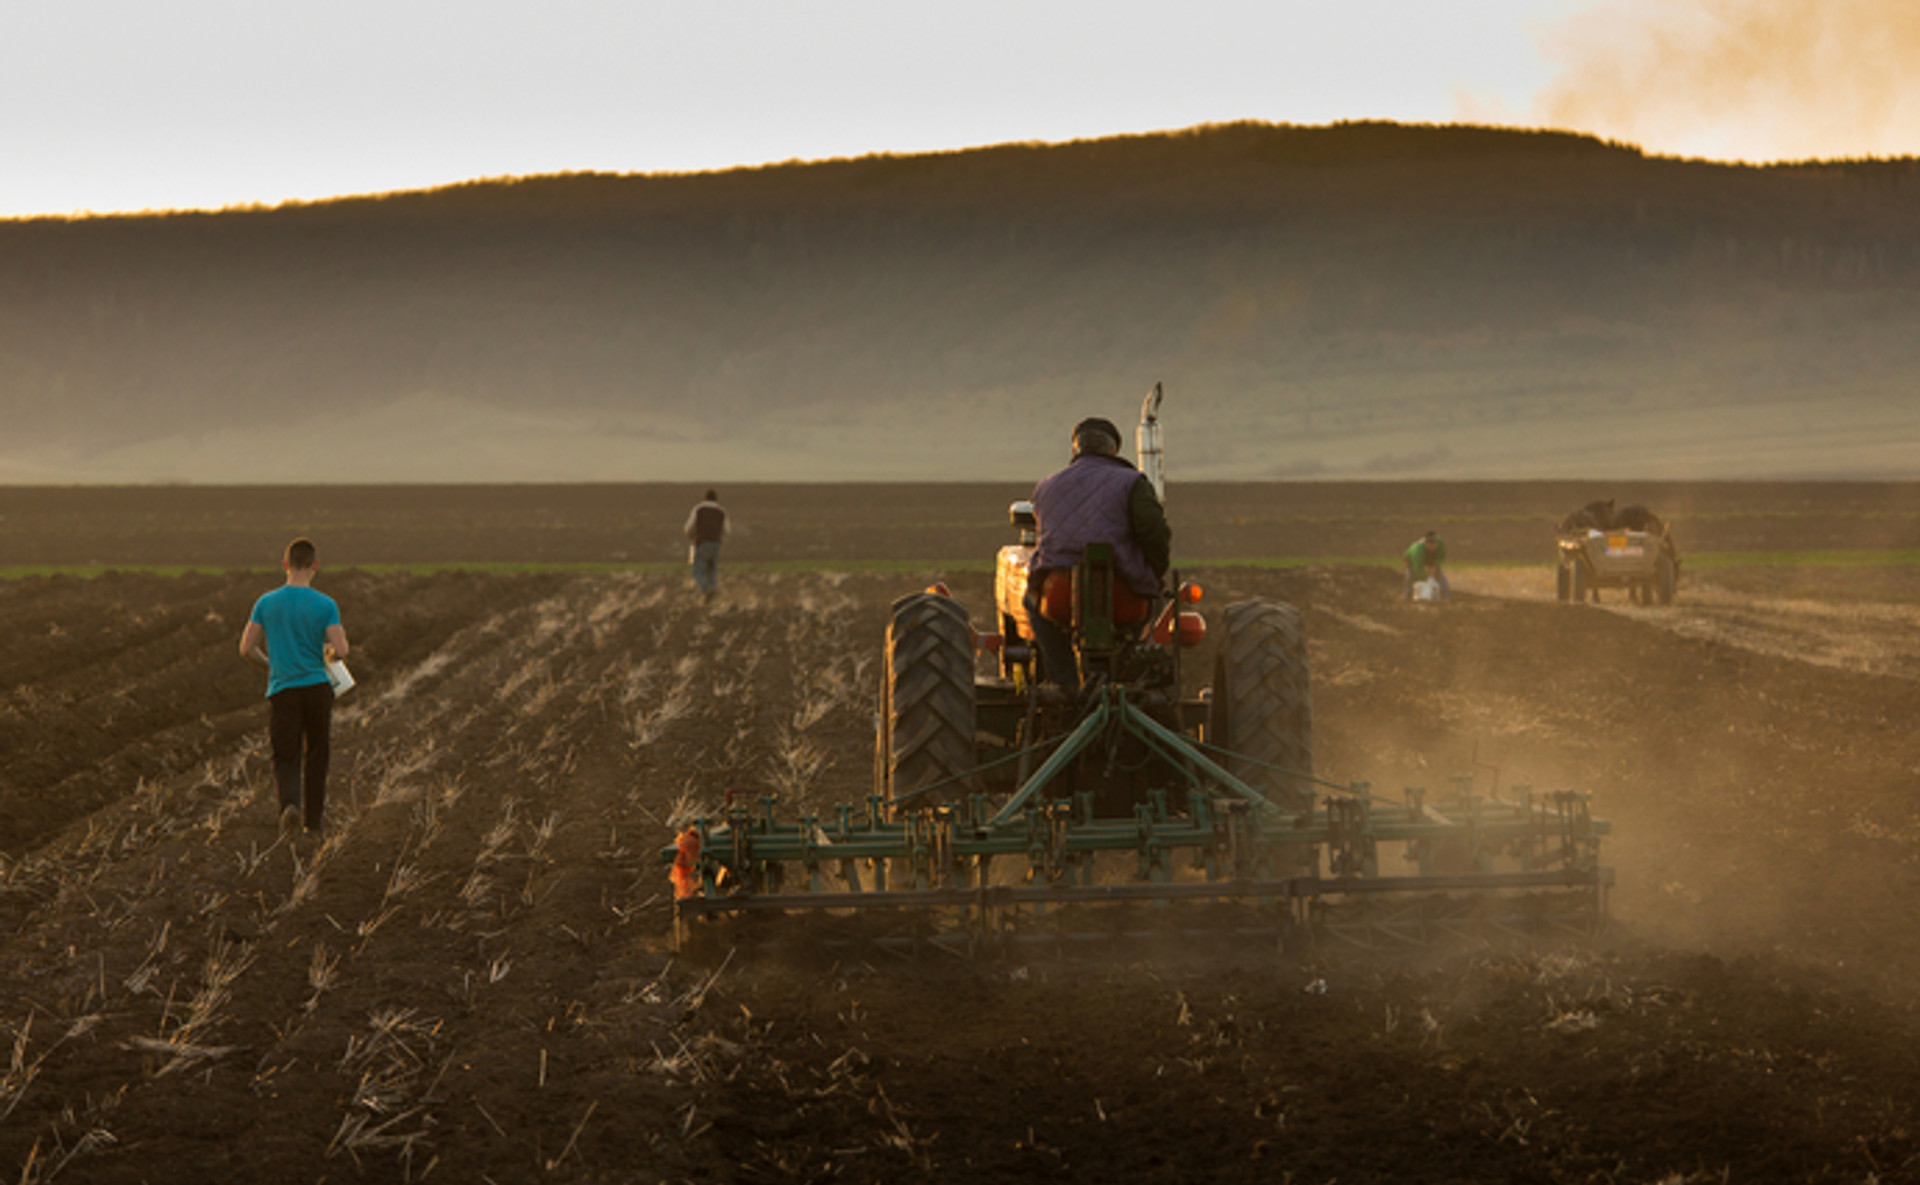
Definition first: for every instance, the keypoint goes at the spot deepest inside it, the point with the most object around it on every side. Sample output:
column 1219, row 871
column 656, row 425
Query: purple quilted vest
column 1087, row 503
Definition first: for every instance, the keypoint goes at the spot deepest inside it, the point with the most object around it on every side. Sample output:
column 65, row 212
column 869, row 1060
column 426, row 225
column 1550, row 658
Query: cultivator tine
column 1369, row 912
column 975, row 876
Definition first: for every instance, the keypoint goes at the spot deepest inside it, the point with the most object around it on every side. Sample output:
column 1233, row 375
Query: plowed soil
column 467, row 979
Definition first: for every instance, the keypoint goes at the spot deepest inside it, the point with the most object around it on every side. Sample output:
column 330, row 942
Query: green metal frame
column 1242, row 845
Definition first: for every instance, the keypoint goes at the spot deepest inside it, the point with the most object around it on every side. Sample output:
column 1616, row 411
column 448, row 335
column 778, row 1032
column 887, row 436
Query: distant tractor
column 1631, row 548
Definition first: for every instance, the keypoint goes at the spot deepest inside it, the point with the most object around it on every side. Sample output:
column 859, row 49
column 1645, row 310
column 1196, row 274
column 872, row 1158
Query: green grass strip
column 505, row 568
column 89, row 571
column 1297, row 561
column 662, row 568
column 1898, row 558
column 1692, row 559
column 1802, row 559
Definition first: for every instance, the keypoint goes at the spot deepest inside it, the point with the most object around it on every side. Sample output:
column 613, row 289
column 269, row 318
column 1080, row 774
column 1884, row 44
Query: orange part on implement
column 686, row 864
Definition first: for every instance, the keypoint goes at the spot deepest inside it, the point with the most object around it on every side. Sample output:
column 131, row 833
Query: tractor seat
column 1057, row 598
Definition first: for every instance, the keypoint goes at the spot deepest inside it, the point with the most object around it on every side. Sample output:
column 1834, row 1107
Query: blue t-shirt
column 296, row 621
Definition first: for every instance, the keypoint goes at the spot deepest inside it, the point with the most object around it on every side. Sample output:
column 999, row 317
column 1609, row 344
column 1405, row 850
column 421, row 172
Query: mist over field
column 1355, row 301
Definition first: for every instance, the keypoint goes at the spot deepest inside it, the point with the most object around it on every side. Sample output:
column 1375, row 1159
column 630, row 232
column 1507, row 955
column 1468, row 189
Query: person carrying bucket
column 294, row 634
column 1426, row 560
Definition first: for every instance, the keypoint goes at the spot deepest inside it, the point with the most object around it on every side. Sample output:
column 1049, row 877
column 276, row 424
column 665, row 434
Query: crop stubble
column 468, row 976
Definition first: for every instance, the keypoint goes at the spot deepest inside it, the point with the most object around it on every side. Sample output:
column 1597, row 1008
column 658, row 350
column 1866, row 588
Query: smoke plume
column 1754, row 80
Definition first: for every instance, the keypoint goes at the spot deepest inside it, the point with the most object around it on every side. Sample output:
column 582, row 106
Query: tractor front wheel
column 1262, row 711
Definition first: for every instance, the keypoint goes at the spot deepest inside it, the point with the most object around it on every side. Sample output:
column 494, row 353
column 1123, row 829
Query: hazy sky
column 121, row 105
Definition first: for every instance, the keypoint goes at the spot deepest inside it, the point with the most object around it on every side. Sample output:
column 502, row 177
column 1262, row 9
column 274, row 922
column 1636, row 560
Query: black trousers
column 1057, row 662
column 302, row 716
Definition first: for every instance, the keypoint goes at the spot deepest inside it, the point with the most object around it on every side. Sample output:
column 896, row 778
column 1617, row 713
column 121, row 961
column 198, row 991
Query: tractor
column 1005, row 807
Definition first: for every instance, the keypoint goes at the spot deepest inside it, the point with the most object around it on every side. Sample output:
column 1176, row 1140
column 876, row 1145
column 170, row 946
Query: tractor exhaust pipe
column 1153, row 461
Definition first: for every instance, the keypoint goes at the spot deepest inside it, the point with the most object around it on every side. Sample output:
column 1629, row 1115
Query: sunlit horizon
column 315, row 198
column 108, row 111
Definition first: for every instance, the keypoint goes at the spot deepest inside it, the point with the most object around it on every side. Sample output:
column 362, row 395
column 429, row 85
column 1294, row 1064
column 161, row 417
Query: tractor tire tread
column 928, row 713
column 1263, row 699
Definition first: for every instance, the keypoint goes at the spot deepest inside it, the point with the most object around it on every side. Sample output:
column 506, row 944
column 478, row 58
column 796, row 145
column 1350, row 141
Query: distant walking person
column 1425, row 561
column 706, row 527
column 302, row 633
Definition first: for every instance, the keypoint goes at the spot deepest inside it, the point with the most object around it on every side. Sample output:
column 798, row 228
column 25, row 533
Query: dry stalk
column 691, row 1001
column 140, row 979
column 179, row 1054
column 367, row 928
column 636, row 683
column 20, row 1072
column 405, row 879
column 321, row 975
column 902, row 1137
column 208, row 900
column 696, row 1062
column 356, row 1137
column 306, row 882
column 399, row 688
column 251, row 860
column 654, row 991
column 685, row 808
column 575, row 1137
column 532, row 669
column 479, row 887
column 543, row 694
column 795, row 764
column 542, row 836
column 388, row 1064
column 812, row 711
column 93, row 1141
column 225, row 963
column 646, row 727
column 500, row 835
column 438, row 799
column 394, row 782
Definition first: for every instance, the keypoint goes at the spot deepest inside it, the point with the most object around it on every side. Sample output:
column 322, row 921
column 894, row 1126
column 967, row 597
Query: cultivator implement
column 978, row 874
column 1013, row 807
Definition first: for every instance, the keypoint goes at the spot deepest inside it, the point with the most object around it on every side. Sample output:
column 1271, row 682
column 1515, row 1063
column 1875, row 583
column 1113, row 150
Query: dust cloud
column 1741, row 79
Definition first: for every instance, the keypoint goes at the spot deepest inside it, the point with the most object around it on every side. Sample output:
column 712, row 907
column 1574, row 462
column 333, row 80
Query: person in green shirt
column 1426, row 560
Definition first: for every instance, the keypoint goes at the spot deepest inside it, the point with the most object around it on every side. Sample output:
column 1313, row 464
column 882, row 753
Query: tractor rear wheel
column 927, row 717
column 1262, row 709
column 1560, row 579
column 1669, row 577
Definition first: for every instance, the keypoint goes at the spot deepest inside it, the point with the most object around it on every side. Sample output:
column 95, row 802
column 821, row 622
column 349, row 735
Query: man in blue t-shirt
column 301, row 632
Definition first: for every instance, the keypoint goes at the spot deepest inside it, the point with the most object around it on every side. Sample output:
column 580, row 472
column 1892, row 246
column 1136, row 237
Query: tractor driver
column 1097, row 498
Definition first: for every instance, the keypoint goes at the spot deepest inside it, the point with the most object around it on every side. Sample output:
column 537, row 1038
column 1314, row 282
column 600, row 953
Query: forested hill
column 1354, row 300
